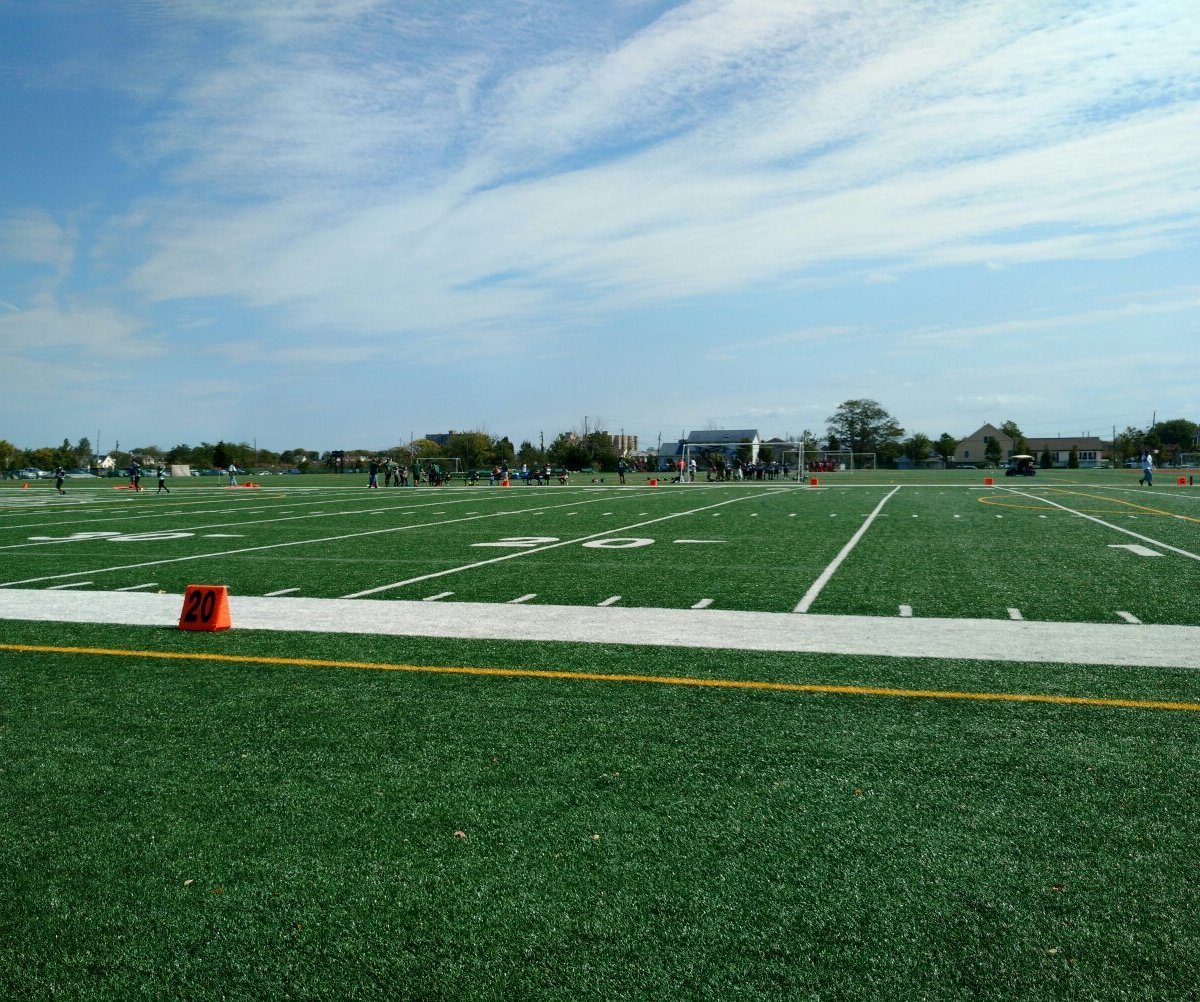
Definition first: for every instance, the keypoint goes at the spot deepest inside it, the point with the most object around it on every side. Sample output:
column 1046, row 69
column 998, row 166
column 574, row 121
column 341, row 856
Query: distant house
column 972, row 450
column 1092, row 451
column 726, row 441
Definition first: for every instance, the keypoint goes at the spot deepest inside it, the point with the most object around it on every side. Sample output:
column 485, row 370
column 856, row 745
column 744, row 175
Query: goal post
column 447, row 464
column 723, row 454
column 840, row 460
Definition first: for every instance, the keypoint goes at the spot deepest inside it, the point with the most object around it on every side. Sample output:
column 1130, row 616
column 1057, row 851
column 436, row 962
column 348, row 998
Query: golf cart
column 1021, row 466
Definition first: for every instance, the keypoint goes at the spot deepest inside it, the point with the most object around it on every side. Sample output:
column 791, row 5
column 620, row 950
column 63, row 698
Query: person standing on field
column 59, row 474
column 1147, row 469
column 162, row 480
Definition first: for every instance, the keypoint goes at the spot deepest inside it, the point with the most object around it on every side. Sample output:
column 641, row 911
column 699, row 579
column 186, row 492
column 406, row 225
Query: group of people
column 736, row 469
column 400, row 475
column 160, row 473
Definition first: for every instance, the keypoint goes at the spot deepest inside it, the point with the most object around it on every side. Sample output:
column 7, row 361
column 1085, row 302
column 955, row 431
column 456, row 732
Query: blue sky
column 336, row 223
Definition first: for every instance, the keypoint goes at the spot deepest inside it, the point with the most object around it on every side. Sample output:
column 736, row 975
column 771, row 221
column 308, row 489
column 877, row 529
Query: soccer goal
column 447, row 464
column 718, row 459
column 838, row 461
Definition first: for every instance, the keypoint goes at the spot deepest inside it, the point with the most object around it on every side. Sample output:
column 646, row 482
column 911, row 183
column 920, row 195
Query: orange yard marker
column 205, row 607
column 988, row 482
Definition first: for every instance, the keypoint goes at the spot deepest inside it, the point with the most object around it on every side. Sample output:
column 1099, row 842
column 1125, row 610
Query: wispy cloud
column 604, row 178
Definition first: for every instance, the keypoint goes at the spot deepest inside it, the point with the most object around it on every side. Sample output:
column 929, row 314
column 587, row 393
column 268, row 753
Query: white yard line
column 272, row 546
column 542, row 549
column 818, row 586
column 1108, row 525
column 1120, row 644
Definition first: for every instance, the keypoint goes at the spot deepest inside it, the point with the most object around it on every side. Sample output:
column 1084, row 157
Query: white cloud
column 987, row 137
column 34, row 236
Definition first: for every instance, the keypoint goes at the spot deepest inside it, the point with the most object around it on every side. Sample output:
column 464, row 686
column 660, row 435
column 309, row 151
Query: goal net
column 446, row 464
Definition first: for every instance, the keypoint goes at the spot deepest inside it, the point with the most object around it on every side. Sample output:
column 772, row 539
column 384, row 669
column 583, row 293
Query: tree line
column 860, row 426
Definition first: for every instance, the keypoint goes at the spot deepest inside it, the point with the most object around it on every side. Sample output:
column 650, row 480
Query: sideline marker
column 813, row 482
column 205, row 607
column 989, row 482
column 1182, row 481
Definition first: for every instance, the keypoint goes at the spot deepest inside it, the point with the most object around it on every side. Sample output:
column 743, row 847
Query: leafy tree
column 993, row 451
column 220, row 455
column 946, row 445
column 83, row 452
column 1047, row 460
column 474, row 447
column 918, row 446
column 1073, row 458
column 1127, row 443
column 1020, row 444
column 502, row 450
column 8, row 455
column 64, row 455
column 529, row 455
column 419, row 448
column 1174, row 436
column 864, row 426
column 569, row 451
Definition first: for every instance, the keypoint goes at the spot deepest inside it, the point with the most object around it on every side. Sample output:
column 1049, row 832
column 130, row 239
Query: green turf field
column 623, row 811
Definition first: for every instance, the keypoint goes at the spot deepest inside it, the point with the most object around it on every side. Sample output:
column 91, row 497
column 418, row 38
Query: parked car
column 80, row 474
column 30, row 473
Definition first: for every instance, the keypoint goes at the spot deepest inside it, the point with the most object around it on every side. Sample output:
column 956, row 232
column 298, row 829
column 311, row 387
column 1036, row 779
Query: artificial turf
column 215, row 830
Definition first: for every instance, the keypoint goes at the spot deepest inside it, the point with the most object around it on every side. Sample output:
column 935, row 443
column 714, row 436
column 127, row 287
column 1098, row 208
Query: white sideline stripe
column 275, row 594
column 906, row 611
column 611, row 600
column 1015, row 614
column 522, row 598
column 73, row 584
column 818, row 586
column 435, row 598
column 1121, row 644
column 704, row 603
column 148, row 584
column 1129, row 617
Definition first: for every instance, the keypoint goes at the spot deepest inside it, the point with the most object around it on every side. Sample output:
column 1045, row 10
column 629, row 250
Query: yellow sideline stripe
column 711, row 683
